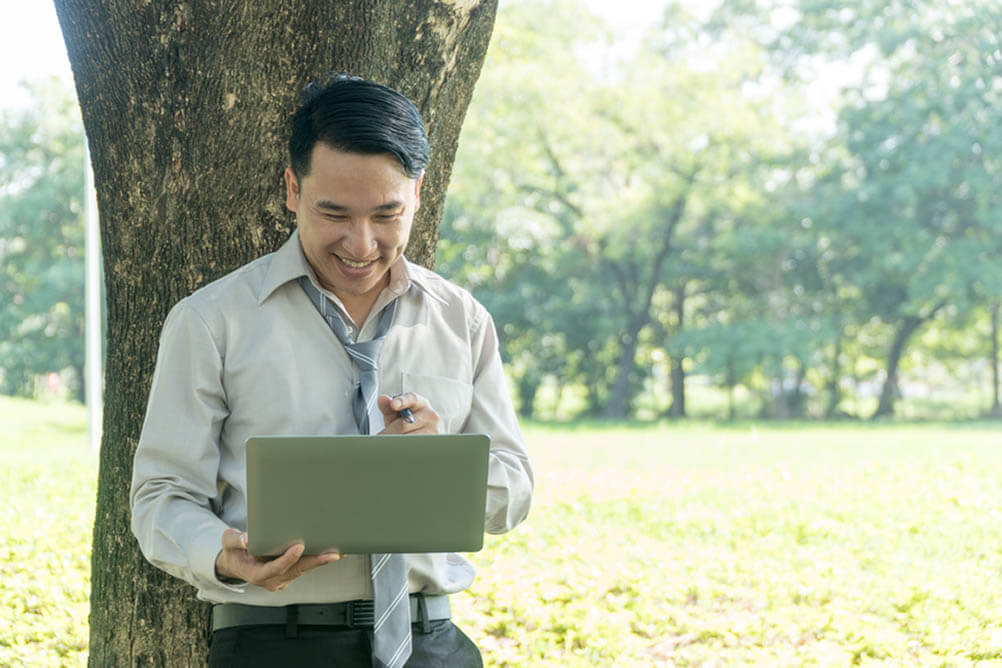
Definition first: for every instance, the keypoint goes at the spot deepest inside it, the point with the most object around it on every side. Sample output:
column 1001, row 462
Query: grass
column 683, row 545
column 47, row 477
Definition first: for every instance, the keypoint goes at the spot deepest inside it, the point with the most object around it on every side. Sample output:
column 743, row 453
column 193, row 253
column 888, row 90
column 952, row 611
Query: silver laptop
column 362, row 494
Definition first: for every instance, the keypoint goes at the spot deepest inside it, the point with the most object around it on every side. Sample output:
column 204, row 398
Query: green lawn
column 47, row 477
column 686, row 545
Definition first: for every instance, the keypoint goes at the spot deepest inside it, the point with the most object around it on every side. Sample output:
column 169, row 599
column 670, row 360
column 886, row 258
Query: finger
column 426, row 419
column 410, row 400
column 426, row 426
column 391, row 418
column 384, row 402
column 234, row 539
column 316, row 560
column 279, row 581
column 400, row 413
column 282, row 564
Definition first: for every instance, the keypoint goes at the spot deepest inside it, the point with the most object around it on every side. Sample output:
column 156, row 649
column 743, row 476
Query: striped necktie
column 391, row 630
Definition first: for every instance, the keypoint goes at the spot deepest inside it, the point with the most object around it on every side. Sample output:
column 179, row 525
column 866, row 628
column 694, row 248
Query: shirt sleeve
column 509, row 475
column 174, row 479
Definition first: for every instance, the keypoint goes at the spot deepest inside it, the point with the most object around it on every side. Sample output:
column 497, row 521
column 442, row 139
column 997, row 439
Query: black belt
column 349, row 613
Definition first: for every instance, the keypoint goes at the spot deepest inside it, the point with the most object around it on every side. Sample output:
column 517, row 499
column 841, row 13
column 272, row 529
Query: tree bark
column 996, row 408
column 677, row 373
column 677, row 377
column 833, row 388
column 732, row 382
column 528, row 387
column 186, row 106
column 617, row 405
column 889, row 391
column 637, row 296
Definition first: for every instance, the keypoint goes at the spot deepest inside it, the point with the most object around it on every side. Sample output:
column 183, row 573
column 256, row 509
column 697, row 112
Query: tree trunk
column 909, row 325
column 889, row 391
column 78, row 389
column 677, row 408
column 677, row 377
column 732, row 382
column 631, row 285
column 996, row 407
column 185, row 106
column 834, row 391
column 528, row 387
column 797, row 399
column 617, row 405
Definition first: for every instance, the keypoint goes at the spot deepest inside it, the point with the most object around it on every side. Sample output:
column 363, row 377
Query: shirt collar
column 289, row 263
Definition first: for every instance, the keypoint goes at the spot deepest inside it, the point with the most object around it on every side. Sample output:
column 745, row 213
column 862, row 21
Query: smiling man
column 354, row 214
column 270, row 350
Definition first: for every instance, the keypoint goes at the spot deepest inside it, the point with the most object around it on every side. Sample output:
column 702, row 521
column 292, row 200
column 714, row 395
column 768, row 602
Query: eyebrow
column 328, row 205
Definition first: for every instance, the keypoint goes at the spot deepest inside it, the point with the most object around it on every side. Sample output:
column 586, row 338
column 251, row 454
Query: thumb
column 234, row 539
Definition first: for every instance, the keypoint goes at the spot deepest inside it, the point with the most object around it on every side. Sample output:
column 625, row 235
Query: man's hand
column 426, row 420
column 234, row 561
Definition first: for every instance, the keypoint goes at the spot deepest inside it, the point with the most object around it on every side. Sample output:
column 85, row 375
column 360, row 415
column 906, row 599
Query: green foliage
column 41, row 240
column 678, row 198
column 588, row 186
column 902, row 197
column 647, row 545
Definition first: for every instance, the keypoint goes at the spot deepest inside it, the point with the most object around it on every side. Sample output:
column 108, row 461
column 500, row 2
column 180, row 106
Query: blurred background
column 771, row 209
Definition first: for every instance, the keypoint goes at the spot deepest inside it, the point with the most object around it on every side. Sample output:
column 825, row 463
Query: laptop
column 322, row 490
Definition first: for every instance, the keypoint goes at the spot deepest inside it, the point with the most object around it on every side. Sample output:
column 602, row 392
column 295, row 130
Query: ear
column 291, row 190
column 417, row 192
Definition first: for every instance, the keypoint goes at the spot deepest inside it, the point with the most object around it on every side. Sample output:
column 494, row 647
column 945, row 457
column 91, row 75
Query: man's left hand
column 426, row 420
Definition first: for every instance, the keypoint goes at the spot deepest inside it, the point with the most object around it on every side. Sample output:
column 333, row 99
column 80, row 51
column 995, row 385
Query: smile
column 355, row 265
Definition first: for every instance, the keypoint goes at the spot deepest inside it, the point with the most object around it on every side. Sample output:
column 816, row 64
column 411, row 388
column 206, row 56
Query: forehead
column 328, row 162
column 356, row 180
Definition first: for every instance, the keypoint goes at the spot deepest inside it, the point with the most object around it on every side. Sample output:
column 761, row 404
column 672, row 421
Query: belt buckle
column 359, row 614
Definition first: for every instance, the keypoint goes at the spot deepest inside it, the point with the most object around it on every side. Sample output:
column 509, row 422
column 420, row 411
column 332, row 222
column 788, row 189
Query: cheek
column 320, row 235
column 392, row 238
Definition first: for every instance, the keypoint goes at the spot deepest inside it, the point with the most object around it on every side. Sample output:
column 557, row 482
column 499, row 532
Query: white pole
column 94, row 387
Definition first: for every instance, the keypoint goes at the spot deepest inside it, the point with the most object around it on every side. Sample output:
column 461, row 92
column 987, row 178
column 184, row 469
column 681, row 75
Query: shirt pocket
column 449, row 397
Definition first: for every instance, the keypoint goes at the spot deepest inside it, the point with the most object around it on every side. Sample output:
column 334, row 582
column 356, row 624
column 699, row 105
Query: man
column 250, row 354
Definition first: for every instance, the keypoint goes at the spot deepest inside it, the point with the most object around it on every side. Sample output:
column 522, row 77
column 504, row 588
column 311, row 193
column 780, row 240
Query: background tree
column 589, row 175
column 185, row 106
column 915, row 222
column 41, row 241
column 508, row 230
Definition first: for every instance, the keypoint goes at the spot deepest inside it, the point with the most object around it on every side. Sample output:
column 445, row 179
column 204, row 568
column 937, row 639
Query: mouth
column 355, row 264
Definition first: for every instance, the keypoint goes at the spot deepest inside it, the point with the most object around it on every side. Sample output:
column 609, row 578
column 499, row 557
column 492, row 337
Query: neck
column 358, row 307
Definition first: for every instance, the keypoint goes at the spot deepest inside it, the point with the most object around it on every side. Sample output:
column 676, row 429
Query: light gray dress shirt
column 249, row 355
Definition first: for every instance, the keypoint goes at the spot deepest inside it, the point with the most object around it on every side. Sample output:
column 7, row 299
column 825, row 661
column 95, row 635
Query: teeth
column 356, row 265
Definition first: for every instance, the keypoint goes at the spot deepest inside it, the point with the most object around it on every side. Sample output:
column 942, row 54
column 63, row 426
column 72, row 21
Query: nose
column 360, row 240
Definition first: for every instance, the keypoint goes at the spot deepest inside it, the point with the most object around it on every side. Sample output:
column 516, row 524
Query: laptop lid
column 363, row 494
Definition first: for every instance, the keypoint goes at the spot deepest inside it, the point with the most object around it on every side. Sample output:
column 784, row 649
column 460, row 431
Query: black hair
column 354, row 115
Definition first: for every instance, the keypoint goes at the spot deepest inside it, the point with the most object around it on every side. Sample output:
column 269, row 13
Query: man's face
column 354, row 214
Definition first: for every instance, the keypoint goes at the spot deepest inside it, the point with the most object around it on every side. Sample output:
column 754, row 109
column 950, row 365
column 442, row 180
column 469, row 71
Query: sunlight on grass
column 684, row 545
column 773, row 546
column 49, row 478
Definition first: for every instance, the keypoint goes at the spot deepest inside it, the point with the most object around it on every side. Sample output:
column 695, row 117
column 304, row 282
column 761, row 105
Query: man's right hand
column 234, row 561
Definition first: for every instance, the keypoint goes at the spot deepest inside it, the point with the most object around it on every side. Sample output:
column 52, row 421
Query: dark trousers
column 437, row 644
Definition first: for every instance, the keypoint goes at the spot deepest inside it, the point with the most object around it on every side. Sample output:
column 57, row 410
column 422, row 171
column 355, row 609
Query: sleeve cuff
column 204, row 550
